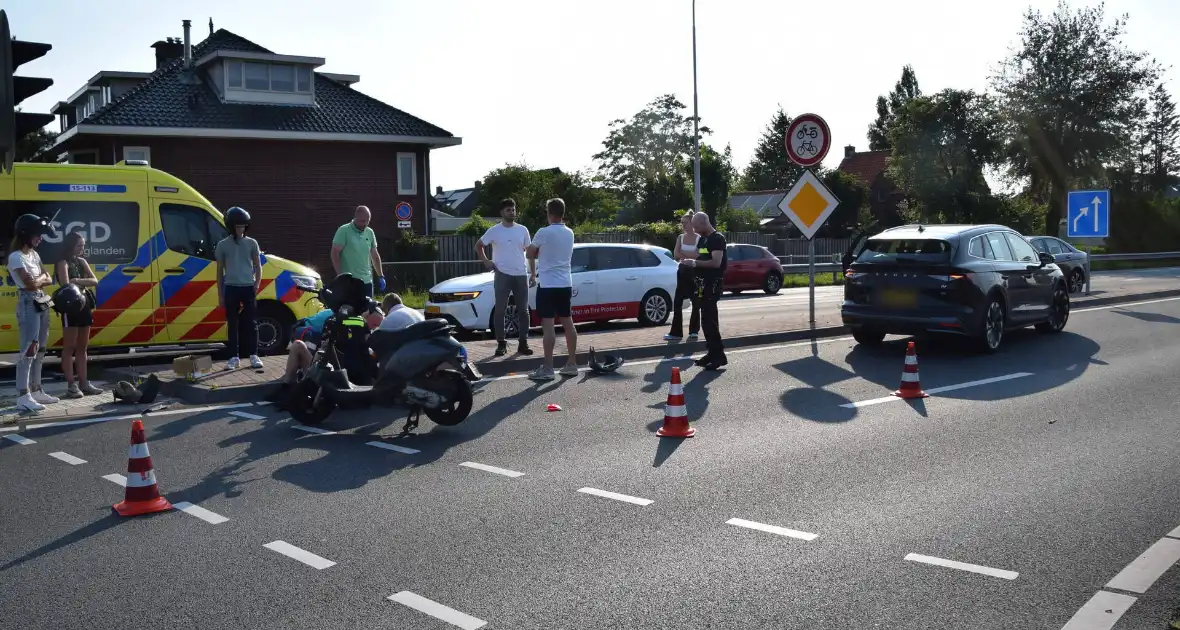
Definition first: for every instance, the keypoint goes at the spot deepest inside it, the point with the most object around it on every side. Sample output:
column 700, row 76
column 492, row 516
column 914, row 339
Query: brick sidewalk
column 68, row 408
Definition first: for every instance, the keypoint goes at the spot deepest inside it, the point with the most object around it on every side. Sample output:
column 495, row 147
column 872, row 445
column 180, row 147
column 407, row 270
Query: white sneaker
column 27, row 403
column 255, row 362
column 43, row 398
column 569, row 370
column 542, row 374
column 233, row 364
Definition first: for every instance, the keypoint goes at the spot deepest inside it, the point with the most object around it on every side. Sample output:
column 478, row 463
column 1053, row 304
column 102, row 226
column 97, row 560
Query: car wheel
column 773, row 283
column 1077, row 281
column 991, row 333
column 654, row 308
column 868, row 337
column 274, row 328
column 1058, row 312
column 510, row 328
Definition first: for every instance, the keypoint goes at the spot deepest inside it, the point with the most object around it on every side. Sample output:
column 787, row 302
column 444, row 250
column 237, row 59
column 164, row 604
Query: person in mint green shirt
column 354, row 251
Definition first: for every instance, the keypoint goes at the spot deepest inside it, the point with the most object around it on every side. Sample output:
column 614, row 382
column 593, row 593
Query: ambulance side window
column 186, row 230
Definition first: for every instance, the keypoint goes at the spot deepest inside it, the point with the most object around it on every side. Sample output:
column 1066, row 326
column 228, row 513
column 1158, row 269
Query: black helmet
column 236, row 216
column 28, row 225
column 69, row 300
column 608, row 364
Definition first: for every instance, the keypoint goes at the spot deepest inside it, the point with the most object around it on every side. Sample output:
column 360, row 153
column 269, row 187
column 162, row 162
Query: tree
column 648, row 146
column 1071, row 95
column 531, row 188
column 717, row 178
column 903, row 92
column 1162, row 140
column 941, row 146
column 34, row 144
column 771, row 168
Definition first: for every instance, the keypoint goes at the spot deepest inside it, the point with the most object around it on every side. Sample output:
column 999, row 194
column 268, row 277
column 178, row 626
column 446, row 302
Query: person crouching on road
column 75, row 336
column 550, row 258
column 239, row 277
column 32, row 309
column 686, row 285
column 710, row 271
column 509, row 240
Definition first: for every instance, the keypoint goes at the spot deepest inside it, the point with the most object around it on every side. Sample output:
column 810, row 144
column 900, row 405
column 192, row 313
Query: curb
column 197, row 395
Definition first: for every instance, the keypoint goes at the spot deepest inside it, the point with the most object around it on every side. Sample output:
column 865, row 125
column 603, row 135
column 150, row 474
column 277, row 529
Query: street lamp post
column 696, row 118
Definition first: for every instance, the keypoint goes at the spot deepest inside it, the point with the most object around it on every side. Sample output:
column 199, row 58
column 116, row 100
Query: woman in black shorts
column 75, row 338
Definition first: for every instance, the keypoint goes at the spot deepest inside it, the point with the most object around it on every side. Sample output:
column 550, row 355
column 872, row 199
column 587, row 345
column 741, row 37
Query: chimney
column 210, row 26
column 188, row 44
column 438, row 190
column 478, row 184
column 167, row 50
column 849, row 151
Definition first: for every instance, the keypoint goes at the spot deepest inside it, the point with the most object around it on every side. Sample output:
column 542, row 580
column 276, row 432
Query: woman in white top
column 686, row 286
column 32, row 309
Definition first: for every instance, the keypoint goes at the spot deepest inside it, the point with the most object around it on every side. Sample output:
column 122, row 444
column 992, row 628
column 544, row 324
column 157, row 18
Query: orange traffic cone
column 675, row 414
column 142, row 495
column 911, row 387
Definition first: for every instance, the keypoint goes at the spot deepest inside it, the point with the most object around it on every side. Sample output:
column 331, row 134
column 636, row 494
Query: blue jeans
column 241, row 310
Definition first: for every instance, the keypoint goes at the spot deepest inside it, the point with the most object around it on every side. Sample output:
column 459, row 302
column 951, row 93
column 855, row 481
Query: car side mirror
column 1046, row 259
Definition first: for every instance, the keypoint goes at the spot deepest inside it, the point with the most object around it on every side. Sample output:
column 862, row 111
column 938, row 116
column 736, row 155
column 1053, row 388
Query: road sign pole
column 1088, row 274
column 811, row 276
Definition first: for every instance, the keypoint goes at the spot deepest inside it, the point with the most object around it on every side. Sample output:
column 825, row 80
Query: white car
column 611, row 281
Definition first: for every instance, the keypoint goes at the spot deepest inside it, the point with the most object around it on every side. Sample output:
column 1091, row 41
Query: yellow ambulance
column 149, row 239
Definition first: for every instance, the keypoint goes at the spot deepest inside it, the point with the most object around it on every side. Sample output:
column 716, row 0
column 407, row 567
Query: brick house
column 299, row 149
column 870, row 168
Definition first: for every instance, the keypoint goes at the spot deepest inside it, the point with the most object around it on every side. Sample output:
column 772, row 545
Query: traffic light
column 15, row 125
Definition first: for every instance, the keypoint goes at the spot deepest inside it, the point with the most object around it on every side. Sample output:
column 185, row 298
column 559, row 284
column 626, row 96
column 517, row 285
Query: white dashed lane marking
column 315, row 430
column 1138, row 576
column 394, row 447
column 963, row 566
column 295, row 553
column 67, row 458
column 437, row 610
column 772, row 529
column 248, row 416
column 20, row 439
column 616, row 496
column 116, row 478
column 493, row 469
column 1100, row 613
column 212, row 518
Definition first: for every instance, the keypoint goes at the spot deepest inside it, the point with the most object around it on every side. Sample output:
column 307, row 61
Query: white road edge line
column 938, row 390
column 394, row 447
column 20, row 439
column 773, row 529
column 1175, row 533
column 963, row 566
column 67, row 458
column 315, row 430
column 1101, row 612
column 213, row 518
column 248, row 416
column 1143, row 571
column 1123, row 305
column 295, row 553
column 437, row 610
column 130, row 416
column 616, row 496
column 492, row 469
column 116, row 478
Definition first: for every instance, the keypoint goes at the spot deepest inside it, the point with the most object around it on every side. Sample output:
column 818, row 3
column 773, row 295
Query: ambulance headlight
column 304, row 282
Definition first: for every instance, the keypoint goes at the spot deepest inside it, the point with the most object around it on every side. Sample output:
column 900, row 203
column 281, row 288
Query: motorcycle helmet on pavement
column 608, row 364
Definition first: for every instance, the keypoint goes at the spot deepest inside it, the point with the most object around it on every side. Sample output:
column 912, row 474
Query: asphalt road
column 1049, row 478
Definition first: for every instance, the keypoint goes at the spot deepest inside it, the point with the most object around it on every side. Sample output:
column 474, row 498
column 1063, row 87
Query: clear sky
column 539, row 80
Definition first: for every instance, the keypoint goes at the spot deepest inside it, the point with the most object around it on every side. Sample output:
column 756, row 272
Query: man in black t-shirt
column 710, row 270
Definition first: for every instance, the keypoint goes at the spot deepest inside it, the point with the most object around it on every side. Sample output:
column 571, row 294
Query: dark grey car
column 1071, row 259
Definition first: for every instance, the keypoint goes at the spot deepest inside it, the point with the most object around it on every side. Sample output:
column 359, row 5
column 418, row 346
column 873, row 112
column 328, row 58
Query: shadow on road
column 78, row 535
column 1155, row 318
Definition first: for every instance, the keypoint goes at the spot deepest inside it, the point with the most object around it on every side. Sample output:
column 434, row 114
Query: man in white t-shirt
column 550, row 256
column 398, row 315
column 508, row 239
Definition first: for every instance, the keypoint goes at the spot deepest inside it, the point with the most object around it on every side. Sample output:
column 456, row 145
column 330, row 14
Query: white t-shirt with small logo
column 508, row 245
column 555, row 249
column 30, row 262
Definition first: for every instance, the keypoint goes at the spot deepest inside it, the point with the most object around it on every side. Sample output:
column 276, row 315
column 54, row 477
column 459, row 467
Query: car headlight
column 305, row 282
column 462, row 296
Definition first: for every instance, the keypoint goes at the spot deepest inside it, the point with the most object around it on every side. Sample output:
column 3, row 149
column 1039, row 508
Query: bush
column 738, row 220
column 408, row 249
column 475, row 226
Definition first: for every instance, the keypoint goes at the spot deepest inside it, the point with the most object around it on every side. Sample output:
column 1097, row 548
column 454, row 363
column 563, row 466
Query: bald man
column 354, row 251
column 709, row 266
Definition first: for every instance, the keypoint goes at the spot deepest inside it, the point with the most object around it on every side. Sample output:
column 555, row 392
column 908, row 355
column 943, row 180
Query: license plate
column 433, row 310
column 899, row 298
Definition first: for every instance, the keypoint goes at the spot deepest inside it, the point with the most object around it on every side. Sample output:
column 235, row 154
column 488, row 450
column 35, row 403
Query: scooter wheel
column 303, row 407
column 457, row 390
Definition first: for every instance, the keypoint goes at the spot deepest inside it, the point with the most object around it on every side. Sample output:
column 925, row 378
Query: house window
column 257, row 76
column 137, row 153
column 407, row 174
column 234, row 74
column 303, row 74
column 282, row 78
column 85, row 156
column 268, row 77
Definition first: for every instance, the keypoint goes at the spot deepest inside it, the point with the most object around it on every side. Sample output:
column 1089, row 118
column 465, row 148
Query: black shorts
column 554, row 302
column 82, row 320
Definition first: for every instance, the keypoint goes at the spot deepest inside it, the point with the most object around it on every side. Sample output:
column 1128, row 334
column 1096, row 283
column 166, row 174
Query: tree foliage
column 771, row 168
column 34, row 144
column 648, row 146
column 903, row 92
column 531, row 188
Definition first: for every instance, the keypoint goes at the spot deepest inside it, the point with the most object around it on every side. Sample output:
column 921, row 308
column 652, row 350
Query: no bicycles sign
column 808, row 140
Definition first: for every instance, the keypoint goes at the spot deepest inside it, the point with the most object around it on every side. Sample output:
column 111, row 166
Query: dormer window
column 268, row 77
column 251, row 77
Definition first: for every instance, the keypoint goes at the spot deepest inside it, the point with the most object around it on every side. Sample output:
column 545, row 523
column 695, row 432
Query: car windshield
column 905, row 250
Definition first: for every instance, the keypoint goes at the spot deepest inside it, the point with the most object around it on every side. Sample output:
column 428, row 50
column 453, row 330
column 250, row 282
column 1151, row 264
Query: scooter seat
column 385, row 342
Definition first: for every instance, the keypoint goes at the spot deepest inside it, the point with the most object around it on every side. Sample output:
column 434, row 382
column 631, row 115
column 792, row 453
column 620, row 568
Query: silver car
column 1071, row 260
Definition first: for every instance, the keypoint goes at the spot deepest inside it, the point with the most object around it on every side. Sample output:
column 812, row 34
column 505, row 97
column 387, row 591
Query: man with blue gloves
column 354, row 251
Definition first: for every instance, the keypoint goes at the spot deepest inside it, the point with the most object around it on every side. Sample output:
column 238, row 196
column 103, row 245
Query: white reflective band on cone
column 138, row 451
column 676, row 388
column 676, row 411
column 907, row 377
column 911, row 359
column 141, row 480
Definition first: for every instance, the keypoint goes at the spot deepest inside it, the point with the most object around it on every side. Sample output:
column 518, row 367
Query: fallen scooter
column 415, row 366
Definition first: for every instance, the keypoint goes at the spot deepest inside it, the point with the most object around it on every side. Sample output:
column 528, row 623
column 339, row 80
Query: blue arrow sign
column 1088, row 215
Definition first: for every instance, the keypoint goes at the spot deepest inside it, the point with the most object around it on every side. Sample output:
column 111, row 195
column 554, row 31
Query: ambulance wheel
column 274, row 328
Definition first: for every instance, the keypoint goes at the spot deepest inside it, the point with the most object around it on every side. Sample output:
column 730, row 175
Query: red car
column 752, row 267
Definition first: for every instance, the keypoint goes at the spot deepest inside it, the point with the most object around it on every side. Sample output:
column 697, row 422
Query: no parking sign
column 404, row 213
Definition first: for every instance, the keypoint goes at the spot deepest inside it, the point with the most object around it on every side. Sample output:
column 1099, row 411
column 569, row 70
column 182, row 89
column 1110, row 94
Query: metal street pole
column 696, row 119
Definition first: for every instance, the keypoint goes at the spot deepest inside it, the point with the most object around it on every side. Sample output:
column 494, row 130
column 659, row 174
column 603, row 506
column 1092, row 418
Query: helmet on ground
column 69, row 300
column 236, row 216
column 127, row 392
column 32, row 225
column 609, row 363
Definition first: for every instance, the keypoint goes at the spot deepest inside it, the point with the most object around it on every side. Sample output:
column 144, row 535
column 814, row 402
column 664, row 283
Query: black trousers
column 710, row 295
column 686, row 289
column 241, row 309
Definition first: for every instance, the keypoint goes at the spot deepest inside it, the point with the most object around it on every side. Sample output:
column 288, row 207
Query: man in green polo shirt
column 354, row 251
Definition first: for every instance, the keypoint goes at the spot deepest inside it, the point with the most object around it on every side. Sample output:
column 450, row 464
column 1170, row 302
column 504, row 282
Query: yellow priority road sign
column 809, row 204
